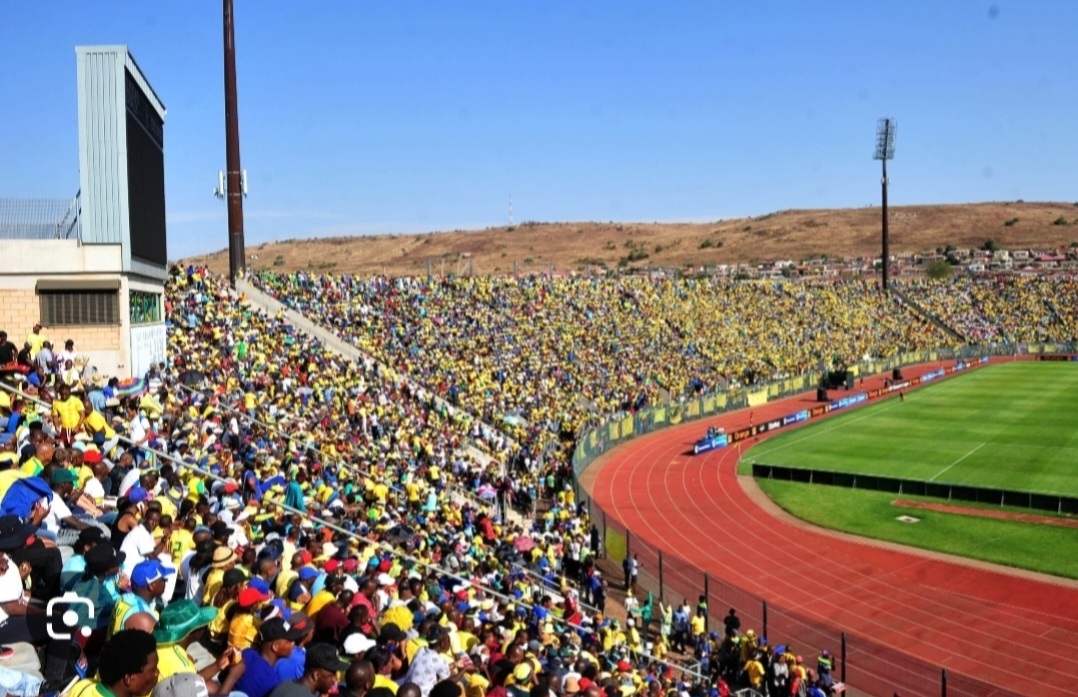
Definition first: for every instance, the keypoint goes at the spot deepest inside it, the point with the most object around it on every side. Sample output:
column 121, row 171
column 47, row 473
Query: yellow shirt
column 181, row 542
column 219, row 625
column 35, row 341
column 383, row 681
column 319, row 601
column 214, row 579
column 475, row 685
column 84, row 688
column 9, row 477
column 172, row 659
column 96, row 423
column 31, row 468
column 242, row 631
column 69, row 411
column 697, row 624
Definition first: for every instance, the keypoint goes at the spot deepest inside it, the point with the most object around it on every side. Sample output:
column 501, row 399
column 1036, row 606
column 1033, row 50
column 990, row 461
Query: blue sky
column 362, row 117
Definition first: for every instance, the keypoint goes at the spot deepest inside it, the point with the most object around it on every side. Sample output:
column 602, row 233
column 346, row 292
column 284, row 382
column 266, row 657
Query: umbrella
column 524, row 544
column 192, row 377
column 131, row 387
column 399, row 535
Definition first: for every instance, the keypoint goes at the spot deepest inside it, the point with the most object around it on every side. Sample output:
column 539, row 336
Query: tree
column 938, row 270
column 990, row 246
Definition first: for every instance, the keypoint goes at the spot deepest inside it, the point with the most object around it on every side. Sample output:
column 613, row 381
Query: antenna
column 243, row 183
column 219, row 192
column 885, row 150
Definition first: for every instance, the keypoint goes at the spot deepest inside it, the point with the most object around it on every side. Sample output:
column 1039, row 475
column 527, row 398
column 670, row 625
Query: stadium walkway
column 1013, row 629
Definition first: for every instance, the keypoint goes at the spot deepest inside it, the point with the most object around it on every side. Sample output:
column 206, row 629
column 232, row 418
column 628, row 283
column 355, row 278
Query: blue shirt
column 291, row 668
column 258, row 678
column 72, row 572
column 293, row 497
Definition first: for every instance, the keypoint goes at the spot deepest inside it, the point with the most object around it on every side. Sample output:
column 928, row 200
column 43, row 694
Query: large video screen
column 145, row 178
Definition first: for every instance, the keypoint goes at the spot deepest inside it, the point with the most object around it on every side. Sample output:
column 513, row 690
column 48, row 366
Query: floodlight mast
column 235, row 186
column 885, row 150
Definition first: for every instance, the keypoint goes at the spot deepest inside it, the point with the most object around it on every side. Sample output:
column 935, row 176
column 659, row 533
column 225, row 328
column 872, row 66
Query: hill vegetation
column 792, row 234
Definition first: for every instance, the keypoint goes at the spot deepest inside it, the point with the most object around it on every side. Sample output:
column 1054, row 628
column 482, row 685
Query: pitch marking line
column 933, row 478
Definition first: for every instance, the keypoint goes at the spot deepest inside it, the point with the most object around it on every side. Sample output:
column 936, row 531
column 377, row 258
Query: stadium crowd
column 1002, row 309
column 257, row 516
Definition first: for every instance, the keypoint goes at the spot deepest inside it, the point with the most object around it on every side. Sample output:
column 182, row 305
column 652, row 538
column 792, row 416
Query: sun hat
column 222, row 556
column 180, row 618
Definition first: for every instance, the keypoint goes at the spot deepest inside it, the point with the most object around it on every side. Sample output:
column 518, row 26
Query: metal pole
column 886, row 245
column 765, row 618
column 237, row 261
column 660, row 575
column 943, row 683
column 707, row 585
column 842, row 653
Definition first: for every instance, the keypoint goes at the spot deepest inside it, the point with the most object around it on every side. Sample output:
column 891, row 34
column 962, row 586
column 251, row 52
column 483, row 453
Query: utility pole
column 235, row 181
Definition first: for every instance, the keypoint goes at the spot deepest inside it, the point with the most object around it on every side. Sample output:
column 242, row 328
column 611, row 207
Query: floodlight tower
column 885, row 150
column 234, row 181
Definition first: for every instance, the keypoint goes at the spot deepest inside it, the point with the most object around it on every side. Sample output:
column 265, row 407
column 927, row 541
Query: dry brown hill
column 792, row 234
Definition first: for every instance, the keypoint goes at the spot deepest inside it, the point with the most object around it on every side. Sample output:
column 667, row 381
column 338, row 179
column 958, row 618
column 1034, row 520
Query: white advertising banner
column 147, row 347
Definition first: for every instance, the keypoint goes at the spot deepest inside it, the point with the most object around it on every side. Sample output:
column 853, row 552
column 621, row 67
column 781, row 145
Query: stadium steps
column 926, row 315
column 272, row 306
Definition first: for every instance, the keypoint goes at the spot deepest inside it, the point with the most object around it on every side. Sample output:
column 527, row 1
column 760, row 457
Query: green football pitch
column 1011, row 426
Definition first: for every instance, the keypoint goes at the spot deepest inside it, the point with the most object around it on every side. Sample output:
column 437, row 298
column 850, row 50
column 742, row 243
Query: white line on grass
column 933, row 478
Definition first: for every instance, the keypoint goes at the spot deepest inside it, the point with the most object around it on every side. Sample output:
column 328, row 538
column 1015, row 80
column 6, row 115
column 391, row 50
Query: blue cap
column 137, row 494
column 259, row 584
column 148, row 571
column 306, row 573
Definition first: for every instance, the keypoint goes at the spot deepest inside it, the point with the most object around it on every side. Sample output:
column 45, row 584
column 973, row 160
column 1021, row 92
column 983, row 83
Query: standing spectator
column 45, row 359
column 429, row 666
column 634, row 573
column 69, row 414
column 68, row 353
column 732, row 623
column 36, row 340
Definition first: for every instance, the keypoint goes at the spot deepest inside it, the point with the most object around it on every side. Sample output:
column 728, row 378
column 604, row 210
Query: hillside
column 792, row 234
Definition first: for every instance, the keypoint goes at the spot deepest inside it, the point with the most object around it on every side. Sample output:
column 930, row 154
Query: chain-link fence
column 867, row 665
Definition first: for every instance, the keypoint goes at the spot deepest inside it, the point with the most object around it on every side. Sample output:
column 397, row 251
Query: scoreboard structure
column 122, row 159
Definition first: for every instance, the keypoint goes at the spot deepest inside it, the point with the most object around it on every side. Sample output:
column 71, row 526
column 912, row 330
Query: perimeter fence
column 867, row 665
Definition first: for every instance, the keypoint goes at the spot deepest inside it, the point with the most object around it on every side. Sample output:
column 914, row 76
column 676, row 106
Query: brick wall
column 20, row 311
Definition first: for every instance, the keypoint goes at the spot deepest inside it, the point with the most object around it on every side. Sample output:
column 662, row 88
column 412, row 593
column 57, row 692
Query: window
column 145, row 307
column 79, row 307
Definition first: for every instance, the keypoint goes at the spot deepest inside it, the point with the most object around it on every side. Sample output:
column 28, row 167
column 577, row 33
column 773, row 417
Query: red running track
column 1014, row 630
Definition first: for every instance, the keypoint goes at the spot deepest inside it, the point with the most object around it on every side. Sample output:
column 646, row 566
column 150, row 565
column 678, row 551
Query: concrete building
column 92, row 269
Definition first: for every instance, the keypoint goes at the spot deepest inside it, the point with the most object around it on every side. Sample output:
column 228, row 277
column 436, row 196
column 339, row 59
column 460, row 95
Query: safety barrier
column 1053, row 503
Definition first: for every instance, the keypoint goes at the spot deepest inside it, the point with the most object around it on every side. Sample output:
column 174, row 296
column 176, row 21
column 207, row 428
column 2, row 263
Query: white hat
column 358, row 643
column 385, row 579
column 329, row 549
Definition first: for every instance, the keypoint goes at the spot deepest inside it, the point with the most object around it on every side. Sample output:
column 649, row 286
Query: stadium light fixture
column 885, row 150
column 235, row 184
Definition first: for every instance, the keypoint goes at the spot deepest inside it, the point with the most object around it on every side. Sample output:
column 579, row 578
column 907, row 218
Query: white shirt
column 136, row 429
column 94, row 489
column 130, row 480
column 138, row 545
column 10, row 586
column 57, row 512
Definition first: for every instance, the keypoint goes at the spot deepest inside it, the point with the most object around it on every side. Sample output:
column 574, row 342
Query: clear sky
column 361, row 117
